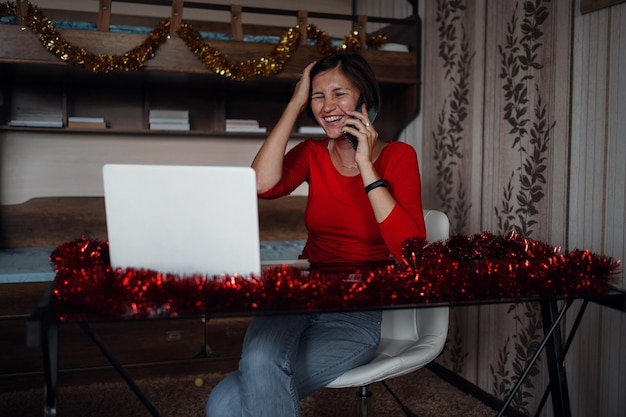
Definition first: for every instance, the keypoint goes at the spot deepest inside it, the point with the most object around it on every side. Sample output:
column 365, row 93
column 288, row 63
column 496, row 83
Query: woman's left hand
column 365, row 133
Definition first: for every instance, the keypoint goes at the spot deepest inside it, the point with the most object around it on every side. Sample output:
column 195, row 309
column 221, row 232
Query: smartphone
column 371, row 114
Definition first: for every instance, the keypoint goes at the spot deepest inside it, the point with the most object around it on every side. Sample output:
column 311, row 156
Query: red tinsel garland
column 484, row 266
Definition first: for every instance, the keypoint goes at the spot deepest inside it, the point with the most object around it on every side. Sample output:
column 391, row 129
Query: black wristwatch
column 380, row 183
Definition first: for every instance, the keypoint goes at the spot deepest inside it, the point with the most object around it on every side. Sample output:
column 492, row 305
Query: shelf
column 21, row 46
column 151, row 133
column 175, row 79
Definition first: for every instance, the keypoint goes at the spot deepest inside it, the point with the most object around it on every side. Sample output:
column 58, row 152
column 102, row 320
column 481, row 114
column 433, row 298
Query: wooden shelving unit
column 177, row 79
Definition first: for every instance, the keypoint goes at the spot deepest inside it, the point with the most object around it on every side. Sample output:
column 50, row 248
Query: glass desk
column 43, row 330
column 88, row 290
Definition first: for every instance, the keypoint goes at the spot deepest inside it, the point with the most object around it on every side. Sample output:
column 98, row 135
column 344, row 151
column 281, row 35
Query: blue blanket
column 141, row 30
column 33, row 264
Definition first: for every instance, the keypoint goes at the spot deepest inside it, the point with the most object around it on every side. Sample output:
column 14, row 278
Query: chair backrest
column 437, row 225
column 410, row 324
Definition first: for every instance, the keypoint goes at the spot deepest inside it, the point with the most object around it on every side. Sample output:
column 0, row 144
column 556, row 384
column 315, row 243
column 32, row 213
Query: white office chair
column 410, row 338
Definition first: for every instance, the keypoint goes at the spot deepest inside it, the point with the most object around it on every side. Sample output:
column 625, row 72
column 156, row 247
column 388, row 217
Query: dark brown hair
column 358, row 71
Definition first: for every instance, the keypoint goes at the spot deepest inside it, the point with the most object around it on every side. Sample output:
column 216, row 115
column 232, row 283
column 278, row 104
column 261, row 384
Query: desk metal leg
column 50, row 347
column 89, row 331
column 556, row 366
column 551, row 324
column 568, row 343
column 42, row 330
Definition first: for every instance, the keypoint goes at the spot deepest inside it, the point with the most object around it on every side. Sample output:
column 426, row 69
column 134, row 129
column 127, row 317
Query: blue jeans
column 286, row 358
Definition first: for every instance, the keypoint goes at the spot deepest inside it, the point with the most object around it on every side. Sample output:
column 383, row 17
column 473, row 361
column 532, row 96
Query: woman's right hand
column 302, row 90
column 268, row 162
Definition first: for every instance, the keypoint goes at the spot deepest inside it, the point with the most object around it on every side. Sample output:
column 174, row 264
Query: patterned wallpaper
column 523, row 130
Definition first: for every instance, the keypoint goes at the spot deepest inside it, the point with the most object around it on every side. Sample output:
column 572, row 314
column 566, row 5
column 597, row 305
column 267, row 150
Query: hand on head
column 302, row 90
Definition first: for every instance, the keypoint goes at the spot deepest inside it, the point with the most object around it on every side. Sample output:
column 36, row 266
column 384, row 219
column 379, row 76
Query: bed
column 253, row 56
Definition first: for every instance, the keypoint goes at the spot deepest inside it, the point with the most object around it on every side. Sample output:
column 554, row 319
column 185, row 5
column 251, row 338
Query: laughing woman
column 364, row 202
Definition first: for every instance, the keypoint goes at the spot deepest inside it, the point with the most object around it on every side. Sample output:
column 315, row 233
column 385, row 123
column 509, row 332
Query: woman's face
column 332, row 95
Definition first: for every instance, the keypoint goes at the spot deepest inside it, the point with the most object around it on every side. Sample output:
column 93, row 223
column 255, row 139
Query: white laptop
column 183, row 219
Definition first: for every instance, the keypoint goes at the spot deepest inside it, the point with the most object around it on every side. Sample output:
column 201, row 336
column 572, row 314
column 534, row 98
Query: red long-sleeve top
column 339, row 217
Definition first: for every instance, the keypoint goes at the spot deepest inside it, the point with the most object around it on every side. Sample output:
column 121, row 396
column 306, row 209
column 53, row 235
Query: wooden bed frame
column 24, row 61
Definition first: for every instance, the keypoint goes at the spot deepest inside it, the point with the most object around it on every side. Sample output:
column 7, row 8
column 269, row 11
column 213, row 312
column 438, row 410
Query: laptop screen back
column 182, row 219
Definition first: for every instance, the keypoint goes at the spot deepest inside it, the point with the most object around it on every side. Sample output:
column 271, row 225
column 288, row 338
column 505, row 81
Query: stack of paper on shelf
column 311, row 130
column 86, row 122
column 35, row 107
column 36, row 117
column 169, row 120
column 35, row 123
column 244, row 125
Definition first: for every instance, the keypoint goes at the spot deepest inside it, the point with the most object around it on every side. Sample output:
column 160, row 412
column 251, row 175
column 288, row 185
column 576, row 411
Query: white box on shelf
column 170, row 126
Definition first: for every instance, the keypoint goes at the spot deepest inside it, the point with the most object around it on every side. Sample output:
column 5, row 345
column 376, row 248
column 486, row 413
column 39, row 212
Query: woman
column 363, row 203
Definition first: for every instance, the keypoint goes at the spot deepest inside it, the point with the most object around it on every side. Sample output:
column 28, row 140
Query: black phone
column 371, row 114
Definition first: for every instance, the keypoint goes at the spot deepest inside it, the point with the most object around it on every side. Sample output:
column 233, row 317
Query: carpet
column 423, row 392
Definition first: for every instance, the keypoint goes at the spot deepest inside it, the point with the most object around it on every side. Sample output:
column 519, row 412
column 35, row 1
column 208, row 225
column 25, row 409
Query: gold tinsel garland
column 131, row 60
column 244, row 70
column 216, row 61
